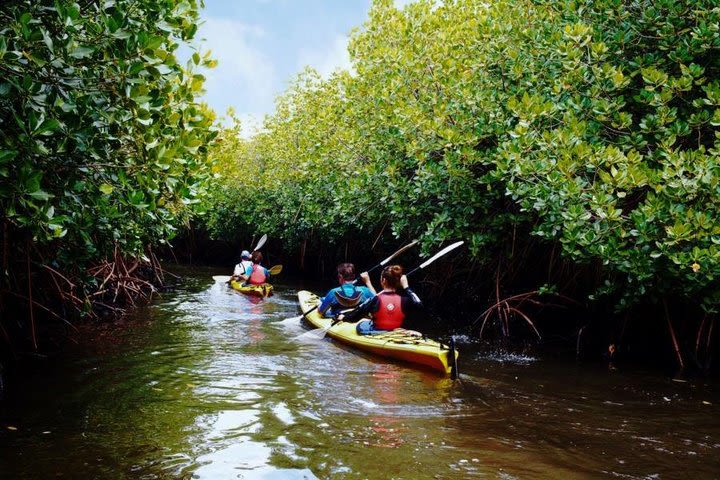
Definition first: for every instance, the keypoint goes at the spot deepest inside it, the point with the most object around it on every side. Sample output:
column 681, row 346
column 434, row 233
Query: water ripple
column 208, row 383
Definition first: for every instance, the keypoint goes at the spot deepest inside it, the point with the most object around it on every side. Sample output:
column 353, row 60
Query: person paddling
column 389, row 307
column 256, row 274
column 242, row 267
column 347, row 295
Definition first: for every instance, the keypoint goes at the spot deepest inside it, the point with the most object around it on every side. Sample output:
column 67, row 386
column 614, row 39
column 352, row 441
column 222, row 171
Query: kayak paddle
column 381, row 264
column 260, row 243
column 226, row 278
column 435, row 257
column 427, row 262
column 384, row 262
column 420, row 267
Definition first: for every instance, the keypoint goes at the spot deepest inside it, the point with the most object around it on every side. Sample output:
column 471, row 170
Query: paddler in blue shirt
column 347, row 295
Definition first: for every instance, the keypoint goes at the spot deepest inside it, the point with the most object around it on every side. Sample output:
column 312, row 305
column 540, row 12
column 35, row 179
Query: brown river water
column 207, row 383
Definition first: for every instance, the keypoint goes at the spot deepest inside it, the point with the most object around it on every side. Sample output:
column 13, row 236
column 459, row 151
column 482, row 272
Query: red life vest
column 257, row 277
column 389, row 315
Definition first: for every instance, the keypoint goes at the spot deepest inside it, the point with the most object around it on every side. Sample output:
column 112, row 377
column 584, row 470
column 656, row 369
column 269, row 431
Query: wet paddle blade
column 276, row 270
column 222, row 278
column 318, row 333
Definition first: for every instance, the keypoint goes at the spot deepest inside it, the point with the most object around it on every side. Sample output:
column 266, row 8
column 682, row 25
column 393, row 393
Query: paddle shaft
column 384, row 262
column 275, row 270
column 427, row 262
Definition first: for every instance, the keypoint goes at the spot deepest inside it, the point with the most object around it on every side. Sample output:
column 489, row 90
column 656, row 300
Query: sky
column 261, row 45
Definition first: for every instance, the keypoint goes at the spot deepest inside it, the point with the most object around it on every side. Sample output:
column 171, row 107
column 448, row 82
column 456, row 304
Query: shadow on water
column 209, row 384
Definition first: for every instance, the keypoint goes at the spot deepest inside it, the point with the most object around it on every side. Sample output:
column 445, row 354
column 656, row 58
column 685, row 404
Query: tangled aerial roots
column 507, row 308
column 49, row 293
column 123, row 282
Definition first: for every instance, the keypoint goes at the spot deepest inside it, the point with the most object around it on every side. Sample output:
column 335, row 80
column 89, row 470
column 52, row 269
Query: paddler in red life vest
column 389, row 307
column 256, row 274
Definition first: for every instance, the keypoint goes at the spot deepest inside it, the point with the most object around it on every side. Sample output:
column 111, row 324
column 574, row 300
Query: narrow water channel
column 209, row 384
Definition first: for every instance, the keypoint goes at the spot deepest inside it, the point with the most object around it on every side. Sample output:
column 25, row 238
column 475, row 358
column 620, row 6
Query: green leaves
column 78, row 160
column 40, row 195
column 81, row 52
column 654, row 78
column 641, row 183
column 7, row 155
column 592, row 124
column 48, row 127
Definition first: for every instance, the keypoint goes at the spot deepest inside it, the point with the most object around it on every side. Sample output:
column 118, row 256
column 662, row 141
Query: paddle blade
column 275, row 270
column 222, row 278
column 260, row 243
column 318, row 333
column 406, row 247
column 441, row 253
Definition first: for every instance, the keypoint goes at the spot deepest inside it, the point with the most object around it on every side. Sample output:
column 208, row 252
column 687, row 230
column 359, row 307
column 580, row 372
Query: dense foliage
column 102, row 143
column 591, row 124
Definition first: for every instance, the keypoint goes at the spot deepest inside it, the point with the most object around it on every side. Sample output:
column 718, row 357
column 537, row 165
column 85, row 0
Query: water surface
column 209, row 384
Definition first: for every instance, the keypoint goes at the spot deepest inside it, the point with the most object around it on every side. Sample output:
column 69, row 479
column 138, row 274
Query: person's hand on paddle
column 404, row 282
column 365, row 277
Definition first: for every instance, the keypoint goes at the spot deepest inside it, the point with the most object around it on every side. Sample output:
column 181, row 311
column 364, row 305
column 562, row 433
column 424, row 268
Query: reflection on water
column 210, row 384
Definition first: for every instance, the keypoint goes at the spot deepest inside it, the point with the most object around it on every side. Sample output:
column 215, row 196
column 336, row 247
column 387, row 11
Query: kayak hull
column 400, row 344
column 262, row 290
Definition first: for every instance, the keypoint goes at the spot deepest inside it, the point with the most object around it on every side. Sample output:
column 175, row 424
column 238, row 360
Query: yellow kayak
column 262, row 290
column 400, row 344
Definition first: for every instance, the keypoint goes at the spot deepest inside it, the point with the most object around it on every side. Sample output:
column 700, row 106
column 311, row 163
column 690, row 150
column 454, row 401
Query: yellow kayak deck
column 400, row 344
column 262, row 290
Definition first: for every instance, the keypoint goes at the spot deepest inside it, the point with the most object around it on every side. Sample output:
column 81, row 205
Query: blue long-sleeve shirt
column 329, row 307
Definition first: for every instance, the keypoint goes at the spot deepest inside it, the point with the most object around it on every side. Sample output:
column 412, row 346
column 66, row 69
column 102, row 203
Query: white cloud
column 250, row 123
column 329, row 59
column 244, row 78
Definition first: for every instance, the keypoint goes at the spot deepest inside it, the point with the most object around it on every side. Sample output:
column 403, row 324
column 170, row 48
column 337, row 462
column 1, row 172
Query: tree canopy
column 102, row 141
column 590, row 124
